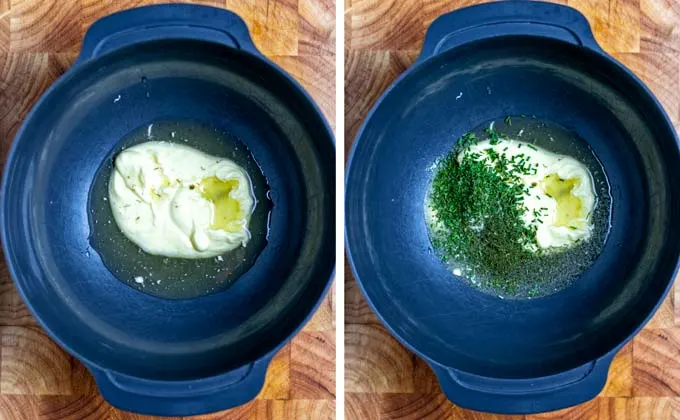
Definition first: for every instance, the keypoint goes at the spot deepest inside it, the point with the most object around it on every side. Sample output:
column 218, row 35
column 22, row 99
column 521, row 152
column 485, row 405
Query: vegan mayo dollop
column 176, row 201
column 560, row 197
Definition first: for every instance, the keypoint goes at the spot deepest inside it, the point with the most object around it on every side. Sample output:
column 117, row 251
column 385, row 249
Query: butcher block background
column 384, row 380
column 39, row 40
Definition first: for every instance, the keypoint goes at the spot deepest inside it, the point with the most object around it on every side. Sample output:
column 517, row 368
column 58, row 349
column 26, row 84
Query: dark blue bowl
column 149, row 355
column 511, row 58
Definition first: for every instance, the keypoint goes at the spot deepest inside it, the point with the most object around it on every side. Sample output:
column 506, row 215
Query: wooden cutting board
column 39, row 40
column 383, row 380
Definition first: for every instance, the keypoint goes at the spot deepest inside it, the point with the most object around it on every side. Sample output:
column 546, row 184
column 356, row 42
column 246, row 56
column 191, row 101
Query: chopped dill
column 479, row 204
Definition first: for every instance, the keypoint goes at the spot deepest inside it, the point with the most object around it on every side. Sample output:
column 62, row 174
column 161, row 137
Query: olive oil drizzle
column 228, row 213
column 569, row 207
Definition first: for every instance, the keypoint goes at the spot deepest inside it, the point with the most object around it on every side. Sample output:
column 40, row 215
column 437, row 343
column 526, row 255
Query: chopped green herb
column 508, row 120
column 480, row 206
column 467, row 140
column 532, row 147
column 494, row 139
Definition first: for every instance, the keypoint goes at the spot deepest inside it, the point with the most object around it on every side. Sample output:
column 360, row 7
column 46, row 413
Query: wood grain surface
column 39, row 40
column 383, row 380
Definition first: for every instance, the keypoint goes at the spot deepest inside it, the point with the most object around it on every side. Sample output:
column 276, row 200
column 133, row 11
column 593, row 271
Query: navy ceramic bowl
column 149, row 355
column 483, row 63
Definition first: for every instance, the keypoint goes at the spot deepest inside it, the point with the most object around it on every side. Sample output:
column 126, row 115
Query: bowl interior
column 77, row 125
column 419, row 121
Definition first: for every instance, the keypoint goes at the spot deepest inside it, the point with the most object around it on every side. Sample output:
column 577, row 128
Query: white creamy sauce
column 565, row 218
column 175, row 201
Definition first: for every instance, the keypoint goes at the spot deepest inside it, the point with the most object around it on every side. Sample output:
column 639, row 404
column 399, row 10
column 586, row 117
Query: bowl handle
column 166, row 21
column 505, row 18
column 524, row 396
column 182, row 398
